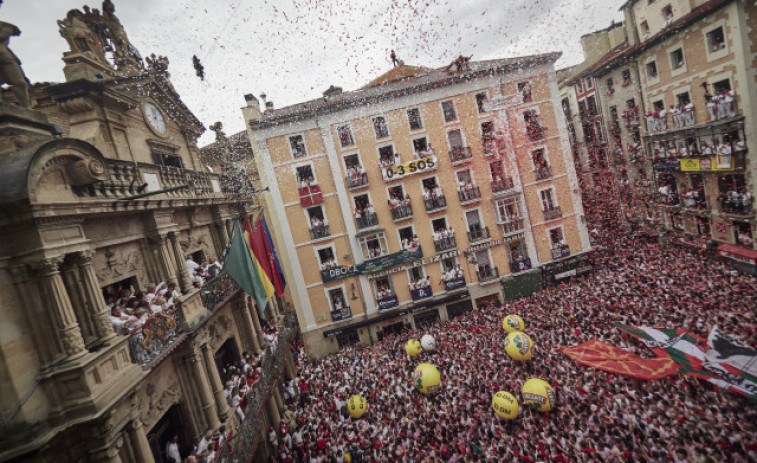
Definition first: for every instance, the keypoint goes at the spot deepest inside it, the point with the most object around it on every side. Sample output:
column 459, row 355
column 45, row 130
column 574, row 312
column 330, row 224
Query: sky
column 293, row 50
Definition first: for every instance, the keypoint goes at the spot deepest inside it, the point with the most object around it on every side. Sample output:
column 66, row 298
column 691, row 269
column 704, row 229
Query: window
column 592, row 105
column 345, row 135
column 297, row 145
column 598, row 131
column 416, row 274
column 566, row 107
column 449, row 263
column 589, row 83
column 439, row 224
column 534, row 130
column 676, row 59
column 464, row 178
column 525, row 91
column 384, row 290
column 626, row 77
column 659, row 105
column 338, row 303
column 373, row 245
column 667, row 13
column 387, row 156
column 315, row 215
column 487, row 136
column 352, row 161
column 473, row 218
column 610, row 85
column 420, row 146
column 481, row 99
column 455, row 138
column 448, row 108
column 168, row 160
column 497, row 170
column 507, row 209
column 548, row 202
column 556, row 237
column 644, row 28
column 652, row 70
column 414, row 118
column 407, row 237
column 326, row 258
column 305, row 176
column 721, row 86
column 539, row 158
column 579, row 86
column 716, row 39
column 683, row 99
column 380, row 127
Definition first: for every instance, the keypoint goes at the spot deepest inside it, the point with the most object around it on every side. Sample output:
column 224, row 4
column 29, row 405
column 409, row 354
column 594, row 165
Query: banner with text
column 371, row 266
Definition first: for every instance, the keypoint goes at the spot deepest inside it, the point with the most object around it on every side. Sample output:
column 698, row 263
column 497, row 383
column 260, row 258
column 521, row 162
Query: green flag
column 240, row 266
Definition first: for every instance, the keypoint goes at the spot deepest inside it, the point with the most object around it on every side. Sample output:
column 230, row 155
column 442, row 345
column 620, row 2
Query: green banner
column 371, row 266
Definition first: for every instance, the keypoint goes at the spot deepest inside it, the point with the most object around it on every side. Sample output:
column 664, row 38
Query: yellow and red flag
column 259, row 262
column 596, row 354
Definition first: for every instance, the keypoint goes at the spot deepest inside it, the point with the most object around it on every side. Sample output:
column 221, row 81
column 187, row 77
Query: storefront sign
column 452, row 285
column 410, row 168
column 553, row 272
column 373, row 265
column 387, row 302
column 417, row 263
column 690, row 164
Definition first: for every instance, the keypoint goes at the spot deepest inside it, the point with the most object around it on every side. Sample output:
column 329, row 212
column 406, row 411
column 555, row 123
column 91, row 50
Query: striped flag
column 248, row 237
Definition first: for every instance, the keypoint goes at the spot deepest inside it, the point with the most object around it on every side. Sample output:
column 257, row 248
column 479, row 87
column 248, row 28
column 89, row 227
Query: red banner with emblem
column 596, row 354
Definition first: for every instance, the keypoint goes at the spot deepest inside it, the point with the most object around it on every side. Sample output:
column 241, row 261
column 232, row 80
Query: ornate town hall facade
column 102, row 189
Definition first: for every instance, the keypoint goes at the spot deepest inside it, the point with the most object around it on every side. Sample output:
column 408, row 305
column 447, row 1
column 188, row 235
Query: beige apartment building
column 693, row 64
column 420, row 195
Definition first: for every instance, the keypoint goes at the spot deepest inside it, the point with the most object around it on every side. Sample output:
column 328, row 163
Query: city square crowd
column 599, row 416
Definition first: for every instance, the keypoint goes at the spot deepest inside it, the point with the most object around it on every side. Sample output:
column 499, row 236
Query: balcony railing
column 356, row 181
column 454, row 284
column 387, row 302
column 520, row 265
column 552, row 214
column 722, row 110
column 445, row 244
column 487, row 273
column 478, row 234
column 434, row 204
column 217, row 290
column 320, row 232
column 499, row 186
column 560, row 251
column 367, row 219
column 469, row 194
column 543, row 173
column 248, row 433
column 736, row 205
column 460, row 154
column 513, row 226
column 421, row 293
column 402, row 212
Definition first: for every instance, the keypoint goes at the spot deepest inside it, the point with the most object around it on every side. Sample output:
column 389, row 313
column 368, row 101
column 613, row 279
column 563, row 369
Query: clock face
column 155, row 118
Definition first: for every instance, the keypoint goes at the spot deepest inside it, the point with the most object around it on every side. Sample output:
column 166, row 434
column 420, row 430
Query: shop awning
column 747, row 256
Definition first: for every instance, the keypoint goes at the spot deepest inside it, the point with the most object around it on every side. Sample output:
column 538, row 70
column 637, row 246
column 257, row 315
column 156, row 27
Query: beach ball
column 357, row 406
column 518, row 346
column 426, row 378
column 512, row 323
column 428, row 343
column 505, row 405
column 413, row 347
column 539, row 394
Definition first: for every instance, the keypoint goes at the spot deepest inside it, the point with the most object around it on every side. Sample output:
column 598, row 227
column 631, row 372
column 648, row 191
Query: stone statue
column 10, row 66
column 125, row 55
column 81, row 37
column 157, row 65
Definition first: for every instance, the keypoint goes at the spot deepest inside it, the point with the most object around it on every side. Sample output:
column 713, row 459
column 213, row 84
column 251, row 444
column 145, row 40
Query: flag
column 248, row 237
column 687, row 350
column 262, row 252
column 596, row 354
column 278, row 275
column 731, row 353
column 241, row 267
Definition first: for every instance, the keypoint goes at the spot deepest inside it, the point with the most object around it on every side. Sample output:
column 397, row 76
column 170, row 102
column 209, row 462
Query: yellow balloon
column 513, row 323
column 539, row 394
column 426, row 378
column 505, row 405
column 518, row 346
column 413, row 347
column 357, row 406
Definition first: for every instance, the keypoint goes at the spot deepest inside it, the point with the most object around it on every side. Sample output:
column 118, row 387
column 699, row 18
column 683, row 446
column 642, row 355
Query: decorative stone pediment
column 117, row 265
column 158, row 402
column 192, row 244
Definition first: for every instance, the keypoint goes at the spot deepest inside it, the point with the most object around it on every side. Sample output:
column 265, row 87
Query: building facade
column 103, row 191
column 694, row 64
column 416, row 198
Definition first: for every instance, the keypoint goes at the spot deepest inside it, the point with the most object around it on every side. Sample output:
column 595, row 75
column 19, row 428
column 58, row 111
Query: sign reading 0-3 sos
column 408, row 168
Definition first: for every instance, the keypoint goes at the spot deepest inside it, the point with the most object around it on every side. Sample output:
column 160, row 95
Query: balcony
column 489, row 148
column 535, row 131
column 500, row 186
column 512, row 227
column 721, row 109
column 435, row 204
column 402, row 212
column 736, row 205
column 487, row 273
column 387, row 302
column 478, row 234
column 684, row 118
column 421, row 293
column 469, row 195
column 454, row 284
column 520, row 265
column 552, row 214
column 460, row 155
column 357, row 181
column 542, row 173
column 367, row 219
column 320, row 232
column 445, row 244
column 560, row 251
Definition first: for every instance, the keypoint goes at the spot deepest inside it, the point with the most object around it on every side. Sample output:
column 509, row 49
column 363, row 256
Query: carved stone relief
column 118, row 264
column 158, row 402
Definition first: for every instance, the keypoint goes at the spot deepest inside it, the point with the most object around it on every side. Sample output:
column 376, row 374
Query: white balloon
column 428, row 342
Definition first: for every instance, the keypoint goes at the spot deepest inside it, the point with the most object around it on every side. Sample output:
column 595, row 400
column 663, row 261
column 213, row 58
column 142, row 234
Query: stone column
column 290, row 371
column 38, row 320
column 58, row 305
column 203, row 389
column 181, row 263
column 277, row 397
column 243, row 321
column 164, row 257
column 223, row 235
column 96, row 311
column 70, row 274
column 140, row 446
column 273, row 412
column 215, row 382
column 252, row 310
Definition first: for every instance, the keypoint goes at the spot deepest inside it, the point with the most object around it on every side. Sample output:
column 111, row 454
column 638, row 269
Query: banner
column 409, row 168
column 689, row 164
column 731, row 353
column 596, row 354
column 373, row 265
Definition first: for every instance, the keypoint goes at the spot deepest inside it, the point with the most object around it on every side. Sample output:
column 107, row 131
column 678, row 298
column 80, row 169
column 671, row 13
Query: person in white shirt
column 172, row 450
column 204, row 449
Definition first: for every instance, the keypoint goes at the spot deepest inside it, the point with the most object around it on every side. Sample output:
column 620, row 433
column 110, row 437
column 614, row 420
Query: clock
column 155, row 118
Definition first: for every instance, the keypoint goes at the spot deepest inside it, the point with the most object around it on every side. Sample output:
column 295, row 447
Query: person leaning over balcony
column 122, row 323
column 170, row 294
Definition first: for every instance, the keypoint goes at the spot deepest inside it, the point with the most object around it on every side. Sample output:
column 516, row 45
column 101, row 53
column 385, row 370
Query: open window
column 716, row 40
column 652, row 69
column 524, row 88
column 481, row 99
column 373, row 245
column 326, row 258
column 380, row 127
column 345, row 136
column 297, row 145
column 449, row 111
column 676, row 59
column 414, row 119
column 338, row 302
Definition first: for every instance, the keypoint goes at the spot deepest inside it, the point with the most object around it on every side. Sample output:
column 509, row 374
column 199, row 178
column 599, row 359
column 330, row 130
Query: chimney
column 332, row 94
column 268, row 106
column 251, row 111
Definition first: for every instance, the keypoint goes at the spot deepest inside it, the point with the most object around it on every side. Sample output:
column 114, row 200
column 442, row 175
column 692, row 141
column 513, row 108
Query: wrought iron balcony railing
column 320, row 232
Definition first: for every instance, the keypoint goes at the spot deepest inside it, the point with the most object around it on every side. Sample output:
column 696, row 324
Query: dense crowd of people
column 598, row 417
